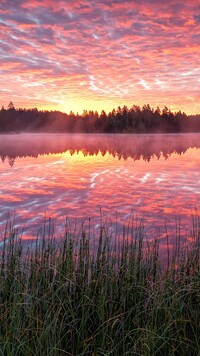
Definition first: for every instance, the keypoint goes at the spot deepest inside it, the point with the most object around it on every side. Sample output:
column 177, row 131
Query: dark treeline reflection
column 120, row 146
column 122, row 120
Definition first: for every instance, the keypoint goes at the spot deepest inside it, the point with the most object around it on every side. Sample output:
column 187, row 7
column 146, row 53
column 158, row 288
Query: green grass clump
column 68, row 298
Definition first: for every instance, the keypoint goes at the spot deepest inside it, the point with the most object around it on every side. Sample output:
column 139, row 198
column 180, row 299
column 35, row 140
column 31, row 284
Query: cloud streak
column 99, row 54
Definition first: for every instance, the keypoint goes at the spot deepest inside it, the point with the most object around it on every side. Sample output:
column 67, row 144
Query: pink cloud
column 72, row 56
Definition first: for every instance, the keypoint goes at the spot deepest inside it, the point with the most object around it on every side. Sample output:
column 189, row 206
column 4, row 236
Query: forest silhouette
column 122, row 120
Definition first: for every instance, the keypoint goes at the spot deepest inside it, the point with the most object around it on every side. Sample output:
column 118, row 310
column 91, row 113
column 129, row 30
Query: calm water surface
column 154, row 177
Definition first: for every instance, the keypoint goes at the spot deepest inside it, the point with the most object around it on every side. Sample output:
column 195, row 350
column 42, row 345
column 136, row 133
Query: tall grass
column 68, row 298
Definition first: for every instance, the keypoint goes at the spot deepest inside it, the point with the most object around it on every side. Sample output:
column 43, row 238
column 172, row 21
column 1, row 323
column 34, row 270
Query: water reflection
column 77, row 176
column 121, row 146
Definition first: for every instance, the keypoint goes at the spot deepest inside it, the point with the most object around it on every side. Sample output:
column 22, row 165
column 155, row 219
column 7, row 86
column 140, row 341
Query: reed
column 65, row 297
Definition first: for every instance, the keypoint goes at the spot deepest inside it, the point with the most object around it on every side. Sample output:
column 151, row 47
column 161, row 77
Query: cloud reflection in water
column 77, row 175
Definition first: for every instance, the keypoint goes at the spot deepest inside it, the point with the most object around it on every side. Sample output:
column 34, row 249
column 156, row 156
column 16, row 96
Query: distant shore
column 123, row 120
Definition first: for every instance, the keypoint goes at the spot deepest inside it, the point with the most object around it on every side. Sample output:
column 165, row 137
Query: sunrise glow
column 94, row 55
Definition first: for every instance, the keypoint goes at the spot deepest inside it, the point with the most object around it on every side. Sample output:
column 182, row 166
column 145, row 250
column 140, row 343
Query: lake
column 123, row 178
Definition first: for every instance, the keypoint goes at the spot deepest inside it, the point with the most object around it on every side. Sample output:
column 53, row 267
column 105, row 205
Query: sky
column 100, row 54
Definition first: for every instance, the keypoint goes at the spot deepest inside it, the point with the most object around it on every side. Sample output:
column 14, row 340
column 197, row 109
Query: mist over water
column 123, row 146
column 150, row 177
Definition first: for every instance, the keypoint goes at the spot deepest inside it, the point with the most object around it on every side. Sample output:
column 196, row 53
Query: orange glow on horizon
column 78, row 106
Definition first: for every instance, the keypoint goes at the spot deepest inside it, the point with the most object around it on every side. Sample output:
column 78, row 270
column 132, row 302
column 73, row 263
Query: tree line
column 123, row 120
